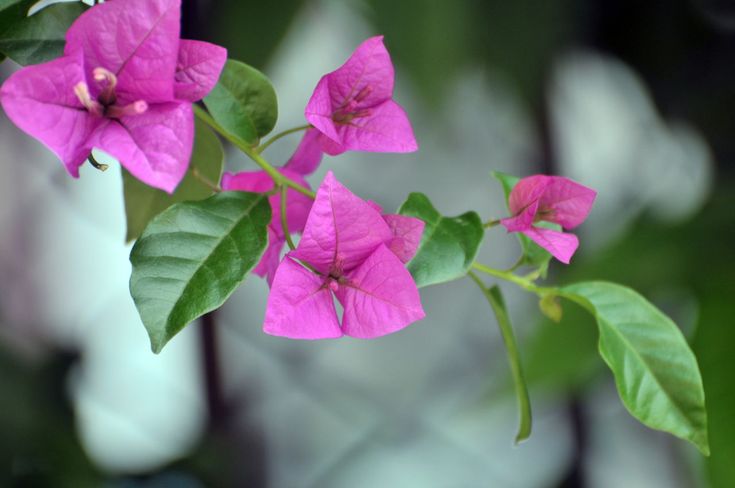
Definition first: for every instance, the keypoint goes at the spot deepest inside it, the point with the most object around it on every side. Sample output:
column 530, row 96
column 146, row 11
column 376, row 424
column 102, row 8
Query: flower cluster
column 124, row 85
column 350, row 250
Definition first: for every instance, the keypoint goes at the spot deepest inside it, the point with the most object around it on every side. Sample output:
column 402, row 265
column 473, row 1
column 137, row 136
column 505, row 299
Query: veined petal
column 299, row 306
column 198, row 69
column 527, row 192
column 381, row 298
column 569, row 202
column 522, row 221
column 319, row 110
column 407, row 233
column 366, row 77
column 341, row 231
column 308, row 154
column 154, row 146
column 561, row 245
column 41, row 101
column 385, row 129
column 136, row 40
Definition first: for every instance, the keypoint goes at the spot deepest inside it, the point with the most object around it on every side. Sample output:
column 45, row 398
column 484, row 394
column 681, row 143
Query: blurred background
column 635, row 99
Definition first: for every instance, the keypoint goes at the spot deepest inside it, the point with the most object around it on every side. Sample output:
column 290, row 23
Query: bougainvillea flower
column 297, row 210
column 353, row 107
column 344, row 246
column 553, row 199
column 124, row 85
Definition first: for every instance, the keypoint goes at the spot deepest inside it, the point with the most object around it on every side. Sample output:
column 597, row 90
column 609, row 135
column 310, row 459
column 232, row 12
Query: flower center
column 106, row 103
column 350, row 109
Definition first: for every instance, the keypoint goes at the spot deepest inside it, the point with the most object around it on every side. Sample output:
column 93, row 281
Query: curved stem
column 251, row 152
column 284, row 217
column 96, row 164
column 285, row 133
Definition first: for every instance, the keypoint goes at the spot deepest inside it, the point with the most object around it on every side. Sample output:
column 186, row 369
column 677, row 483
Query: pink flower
column 345, row 244
column 353, row 107
column 124, row 85
column 552, row 199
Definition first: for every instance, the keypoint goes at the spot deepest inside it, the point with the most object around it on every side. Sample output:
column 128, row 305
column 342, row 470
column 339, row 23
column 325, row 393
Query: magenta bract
column 552, row 199
column 352, row 107
column 124, row 85
column 345, row 243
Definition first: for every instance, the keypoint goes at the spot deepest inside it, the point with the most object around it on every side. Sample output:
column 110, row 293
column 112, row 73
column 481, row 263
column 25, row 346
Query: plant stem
column 284, row 217
column 285, row 133
column 495, row 299
column 508, row 276
column 251, row 152
column 491, row 223
column 204, row 181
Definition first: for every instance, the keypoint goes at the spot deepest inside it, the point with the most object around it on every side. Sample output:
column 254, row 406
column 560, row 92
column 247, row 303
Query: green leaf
column 497, row 302
column 243, row 102
column 533, row 254
column 40, row 37
column 655, row 371
column 143, row 202
column 449, row 244
column 11, row 11
column 192, row 257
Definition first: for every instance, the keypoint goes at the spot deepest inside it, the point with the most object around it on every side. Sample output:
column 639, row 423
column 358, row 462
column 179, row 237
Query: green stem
column 508, row 276
column 491, row 223
column 284, row 217
column 285, row 133
column 495, row 299
column 251, row 152
column 526, row 282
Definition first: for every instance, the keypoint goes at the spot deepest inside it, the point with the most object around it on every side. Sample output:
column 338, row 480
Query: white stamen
column 81, row 90
column 103, row 75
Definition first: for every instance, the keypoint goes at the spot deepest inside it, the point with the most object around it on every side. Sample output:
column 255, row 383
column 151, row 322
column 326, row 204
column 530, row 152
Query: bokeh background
column 636, row 99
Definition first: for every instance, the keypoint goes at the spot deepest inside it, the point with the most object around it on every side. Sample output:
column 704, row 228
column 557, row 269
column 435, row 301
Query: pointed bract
column 198, row 68
column 561, row 245
column 341, row 231
column 381, row 297
column 40, row 101
column 136, row 40
column 353, row 109
column 152, row 145
column 567, row 202
column 299, row 305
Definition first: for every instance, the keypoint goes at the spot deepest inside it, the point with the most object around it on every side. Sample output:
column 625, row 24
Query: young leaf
column 449, row 244
column 40, row 37
column 655, row 370
column 192, row 257
column 243, row 102
column 497, row 302
column 533, row 254
column 143, row 202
